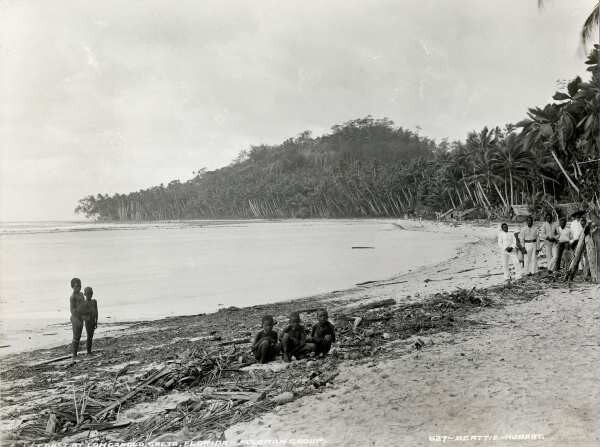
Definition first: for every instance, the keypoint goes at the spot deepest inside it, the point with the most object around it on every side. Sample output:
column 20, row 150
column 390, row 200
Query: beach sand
column 532, row 371
column 524, row 368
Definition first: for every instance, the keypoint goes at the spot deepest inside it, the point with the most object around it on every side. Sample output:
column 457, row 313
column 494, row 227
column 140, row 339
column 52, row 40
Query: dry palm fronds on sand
column 204, row 361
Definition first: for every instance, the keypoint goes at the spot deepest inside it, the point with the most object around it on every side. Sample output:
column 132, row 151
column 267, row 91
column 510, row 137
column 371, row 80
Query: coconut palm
column 511, row 162
column 589, row 26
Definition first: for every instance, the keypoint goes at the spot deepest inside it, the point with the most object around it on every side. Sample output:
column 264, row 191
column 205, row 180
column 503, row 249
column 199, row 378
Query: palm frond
column 590, row 25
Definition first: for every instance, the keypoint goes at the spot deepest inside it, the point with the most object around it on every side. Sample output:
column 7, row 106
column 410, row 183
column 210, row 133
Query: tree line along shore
column 367, row 167
column 548, row 162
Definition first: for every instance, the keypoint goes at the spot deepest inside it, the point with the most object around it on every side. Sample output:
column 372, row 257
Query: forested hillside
column 369, row 167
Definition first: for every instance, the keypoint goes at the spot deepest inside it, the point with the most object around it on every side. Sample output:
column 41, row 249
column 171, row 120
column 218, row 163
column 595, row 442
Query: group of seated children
column 293, row 341
column 84, row 311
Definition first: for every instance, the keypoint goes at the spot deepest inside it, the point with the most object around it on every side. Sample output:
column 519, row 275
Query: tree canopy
column 369, row 167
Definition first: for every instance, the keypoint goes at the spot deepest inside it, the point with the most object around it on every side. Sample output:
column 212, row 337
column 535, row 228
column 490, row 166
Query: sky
column 116, row 96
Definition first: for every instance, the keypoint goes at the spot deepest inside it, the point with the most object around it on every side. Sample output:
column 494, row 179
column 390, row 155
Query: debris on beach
column 205, row 362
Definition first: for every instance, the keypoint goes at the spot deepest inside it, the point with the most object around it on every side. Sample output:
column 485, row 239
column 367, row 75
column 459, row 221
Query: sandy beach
column 529, row 377
column 437, row 364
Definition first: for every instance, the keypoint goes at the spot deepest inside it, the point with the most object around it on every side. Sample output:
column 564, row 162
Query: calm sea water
column 148, row 271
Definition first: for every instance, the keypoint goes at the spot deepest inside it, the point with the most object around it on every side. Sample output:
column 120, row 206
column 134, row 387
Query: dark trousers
column 77, row 326
column 562, row 246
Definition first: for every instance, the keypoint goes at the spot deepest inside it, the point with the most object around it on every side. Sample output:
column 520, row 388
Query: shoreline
column 176, row 343
column 58, row 331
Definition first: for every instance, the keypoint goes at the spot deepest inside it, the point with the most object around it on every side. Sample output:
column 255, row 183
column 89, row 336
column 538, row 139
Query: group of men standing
column 522, row 247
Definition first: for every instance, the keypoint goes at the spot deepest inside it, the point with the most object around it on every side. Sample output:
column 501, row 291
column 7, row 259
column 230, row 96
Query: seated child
column 293, row 339
column 265, row 346
column 323, row 333
column 88, row 312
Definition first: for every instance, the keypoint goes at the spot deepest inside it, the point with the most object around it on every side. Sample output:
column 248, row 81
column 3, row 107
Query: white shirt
column 576, row 230
column 530, row 234
column 549, row 230
column 506, row 240
column 564, row 234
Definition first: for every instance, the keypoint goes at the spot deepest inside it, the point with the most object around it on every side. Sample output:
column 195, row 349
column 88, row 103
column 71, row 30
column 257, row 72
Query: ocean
column 153, row 270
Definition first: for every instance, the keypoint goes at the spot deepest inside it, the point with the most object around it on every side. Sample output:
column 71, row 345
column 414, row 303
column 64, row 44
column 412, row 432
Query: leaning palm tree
column 589, row 26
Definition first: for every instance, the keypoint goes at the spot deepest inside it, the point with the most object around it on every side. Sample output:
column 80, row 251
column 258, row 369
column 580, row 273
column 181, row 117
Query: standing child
column 293, row 339
column 323, row 333
column 265, row 346
column 77, row 302
column 89, row 314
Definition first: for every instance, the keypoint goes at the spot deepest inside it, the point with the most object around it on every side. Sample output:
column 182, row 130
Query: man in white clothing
column 564, row 240
column 550, row 238
column 576, row 230
column 531, row 240
column 507, row 245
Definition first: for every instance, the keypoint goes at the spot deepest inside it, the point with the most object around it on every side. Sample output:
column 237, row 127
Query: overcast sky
column 103, row 96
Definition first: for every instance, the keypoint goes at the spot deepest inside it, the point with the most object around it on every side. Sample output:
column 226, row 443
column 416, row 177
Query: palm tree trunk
column 501, row 198
column 562, row 169
column 512, row 197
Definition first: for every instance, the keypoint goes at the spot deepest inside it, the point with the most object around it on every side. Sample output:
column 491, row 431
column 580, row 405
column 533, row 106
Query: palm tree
column 589, row 26
column 511, row 161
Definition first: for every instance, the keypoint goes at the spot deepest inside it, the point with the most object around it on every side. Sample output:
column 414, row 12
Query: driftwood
column 53, row 360
column 236, row 395
column 56, row 359
column 105, row 426
column 375, row 305
column 365, row 283
column 354, row 313
column 447, row 213
column 163, row 372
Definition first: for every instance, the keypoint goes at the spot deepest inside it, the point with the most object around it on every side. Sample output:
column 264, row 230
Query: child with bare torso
column 293, row 339
column 265, row 346
column 323, row 333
